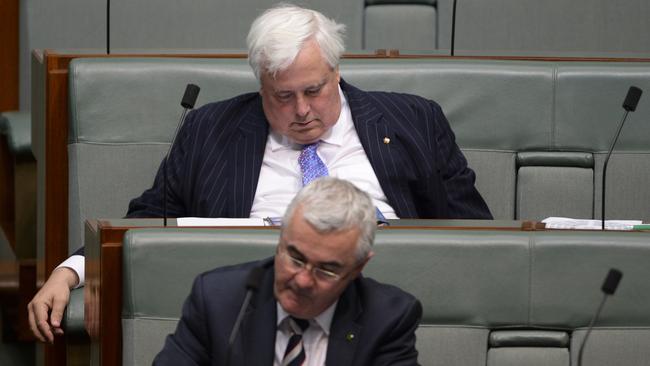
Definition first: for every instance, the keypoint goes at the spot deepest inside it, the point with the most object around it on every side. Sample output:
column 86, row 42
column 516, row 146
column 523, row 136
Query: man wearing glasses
column 313, row 306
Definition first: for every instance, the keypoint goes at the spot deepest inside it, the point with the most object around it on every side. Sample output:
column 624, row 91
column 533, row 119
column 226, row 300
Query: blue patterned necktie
column 295, row 352
column 311, row 165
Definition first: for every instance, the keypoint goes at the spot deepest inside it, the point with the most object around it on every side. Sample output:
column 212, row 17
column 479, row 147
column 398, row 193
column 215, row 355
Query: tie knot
column 311, row 147
column 298, row 325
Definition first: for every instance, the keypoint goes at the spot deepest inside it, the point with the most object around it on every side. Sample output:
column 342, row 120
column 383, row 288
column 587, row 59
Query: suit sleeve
column 464, row 200
column 189, row 343
column 399, row 348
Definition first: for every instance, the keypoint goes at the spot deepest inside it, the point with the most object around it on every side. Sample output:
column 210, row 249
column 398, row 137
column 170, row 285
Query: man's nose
column 302, row 106
column 304, row 279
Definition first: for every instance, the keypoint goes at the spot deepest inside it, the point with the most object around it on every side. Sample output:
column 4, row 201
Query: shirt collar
column 333, row 136
column 324, row 319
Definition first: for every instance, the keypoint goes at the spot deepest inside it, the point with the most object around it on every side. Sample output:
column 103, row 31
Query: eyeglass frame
column 301, row 265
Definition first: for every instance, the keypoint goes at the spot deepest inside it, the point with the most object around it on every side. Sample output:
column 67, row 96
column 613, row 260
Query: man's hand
column 46, row 308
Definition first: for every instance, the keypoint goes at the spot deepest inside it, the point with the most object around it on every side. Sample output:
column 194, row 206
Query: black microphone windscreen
column 254, row 278
column 611, row 281
column 632, row 98
column 189, row 98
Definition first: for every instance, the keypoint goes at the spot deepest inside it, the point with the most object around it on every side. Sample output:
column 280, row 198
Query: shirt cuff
column 77, row 263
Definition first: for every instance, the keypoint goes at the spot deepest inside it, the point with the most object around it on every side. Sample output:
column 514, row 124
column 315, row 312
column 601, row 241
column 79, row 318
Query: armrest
column 17, row 126
column 73, row 318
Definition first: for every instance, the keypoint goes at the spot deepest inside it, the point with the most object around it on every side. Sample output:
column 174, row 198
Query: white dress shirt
column 340, row 150
column 314, row 338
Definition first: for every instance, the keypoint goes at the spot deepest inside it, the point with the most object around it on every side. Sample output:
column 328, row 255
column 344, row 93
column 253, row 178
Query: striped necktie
column 295, row 353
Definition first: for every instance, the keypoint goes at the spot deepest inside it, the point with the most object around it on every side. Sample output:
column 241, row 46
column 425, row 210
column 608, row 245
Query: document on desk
column 585, row 224
column 209, row 221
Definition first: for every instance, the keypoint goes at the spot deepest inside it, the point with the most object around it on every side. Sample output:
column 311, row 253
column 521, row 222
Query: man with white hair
column 313, row 306
column 248, row 156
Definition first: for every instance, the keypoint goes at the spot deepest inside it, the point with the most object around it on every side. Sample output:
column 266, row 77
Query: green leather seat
column 489, row 297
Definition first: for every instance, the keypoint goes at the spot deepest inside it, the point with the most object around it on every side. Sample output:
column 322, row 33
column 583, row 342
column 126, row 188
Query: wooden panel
column 9, row 55
column 56, row 168
column 7, row 193
column 56, row 183
column 103, row 292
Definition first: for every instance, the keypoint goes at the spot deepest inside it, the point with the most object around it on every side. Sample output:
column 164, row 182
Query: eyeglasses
column 296, row 265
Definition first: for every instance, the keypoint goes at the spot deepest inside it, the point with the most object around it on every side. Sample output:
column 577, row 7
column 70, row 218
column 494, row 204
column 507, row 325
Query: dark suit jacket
column 216, row 161
column 381, row 317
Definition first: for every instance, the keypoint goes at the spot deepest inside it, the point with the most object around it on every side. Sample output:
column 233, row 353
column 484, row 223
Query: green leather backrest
column 481, row 278
column 469, row 282
column 16, row 126
column 123, row 112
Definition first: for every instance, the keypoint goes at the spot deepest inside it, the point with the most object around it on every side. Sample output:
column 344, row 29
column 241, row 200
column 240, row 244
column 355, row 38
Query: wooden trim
column 56, row 184
column 7, row 193
column 9, row 60
column 56, row 167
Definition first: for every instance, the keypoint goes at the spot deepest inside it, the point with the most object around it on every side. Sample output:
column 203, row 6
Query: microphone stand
column 453, row 27
column 629, row 105
column 108, row 27
column 609, row 154
column 189, row 98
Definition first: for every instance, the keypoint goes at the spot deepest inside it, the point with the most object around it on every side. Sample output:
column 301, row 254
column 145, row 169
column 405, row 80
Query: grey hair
column 331, row 205
column 276, row 37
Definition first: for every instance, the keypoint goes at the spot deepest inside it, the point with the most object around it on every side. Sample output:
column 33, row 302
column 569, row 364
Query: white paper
column 207, row 221
column 585, row 224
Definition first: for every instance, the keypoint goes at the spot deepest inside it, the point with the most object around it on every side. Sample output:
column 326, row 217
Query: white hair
column 332, row 205
column 276, row 37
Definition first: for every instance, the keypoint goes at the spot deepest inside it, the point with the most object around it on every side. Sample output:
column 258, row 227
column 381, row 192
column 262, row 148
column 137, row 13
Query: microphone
column 189, row 98
column 629, row 104
column 252, row 285
column 453, row 27
column 108, row 27
column 609, row 287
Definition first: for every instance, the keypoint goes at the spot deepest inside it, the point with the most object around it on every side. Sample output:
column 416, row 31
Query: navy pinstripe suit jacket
column 215, row 163
column 216, row 160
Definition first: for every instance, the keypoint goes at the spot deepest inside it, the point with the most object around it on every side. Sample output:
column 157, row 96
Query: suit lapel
column 259, row 326
column 345, row 332
column 245, row 159
column 382, row 148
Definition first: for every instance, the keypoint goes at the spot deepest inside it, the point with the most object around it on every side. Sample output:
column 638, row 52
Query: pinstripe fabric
column 215, row 163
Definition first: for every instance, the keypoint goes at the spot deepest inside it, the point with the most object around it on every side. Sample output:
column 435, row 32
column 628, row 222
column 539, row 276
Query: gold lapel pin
column 386, row 140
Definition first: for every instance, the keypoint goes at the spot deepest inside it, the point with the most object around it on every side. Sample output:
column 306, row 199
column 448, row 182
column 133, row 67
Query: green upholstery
column 73, row 318
column 17, row 127
column 535, row 132
column 401, row 2
column 400, row 26
column 553, row 28
column 19, row 184
column 489, row 297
